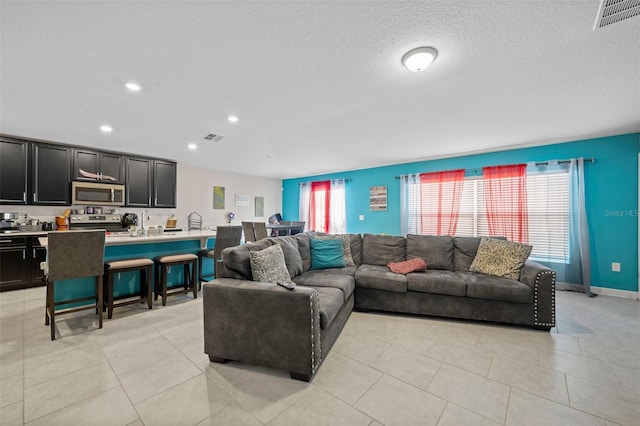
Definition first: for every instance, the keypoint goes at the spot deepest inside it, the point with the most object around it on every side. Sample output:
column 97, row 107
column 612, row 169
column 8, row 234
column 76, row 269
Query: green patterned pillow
column 500, row 258
column 268, row 265
column 346, row 246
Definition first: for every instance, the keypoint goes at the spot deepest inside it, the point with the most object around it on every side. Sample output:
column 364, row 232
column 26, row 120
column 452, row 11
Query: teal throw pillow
column 326, row 254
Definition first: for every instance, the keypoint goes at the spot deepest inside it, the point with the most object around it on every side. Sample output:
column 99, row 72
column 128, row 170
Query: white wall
column 195, row 193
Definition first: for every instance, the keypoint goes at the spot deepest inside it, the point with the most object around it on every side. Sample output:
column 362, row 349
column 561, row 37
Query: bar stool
column 143, row 265
column 73, row 254
column 163, row 263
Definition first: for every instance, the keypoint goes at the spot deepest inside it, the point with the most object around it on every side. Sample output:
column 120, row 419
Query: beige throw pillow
column 500, row 258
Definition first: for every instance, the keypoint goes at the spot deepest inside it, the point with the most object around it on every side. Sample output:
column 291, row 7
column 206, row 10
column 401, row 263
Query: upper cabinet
column 164, row 184
column 13, row 171
column 97, row 166
column 51, row 174
column 37, row 172
column 139, row 181
column 150, row 183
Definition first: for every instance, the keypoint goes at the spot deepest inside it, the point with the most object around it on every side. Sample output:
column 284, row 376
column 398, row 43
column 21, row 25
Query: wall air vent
column 214, row 137
column 614, row 11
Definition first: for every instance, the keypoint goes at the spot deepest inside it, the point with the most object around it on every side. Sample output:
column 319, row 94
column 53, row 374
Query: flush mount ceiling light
column 419, row 58
column 233, row 118
column 134, row 87
column 192, row 146
column 106, row 128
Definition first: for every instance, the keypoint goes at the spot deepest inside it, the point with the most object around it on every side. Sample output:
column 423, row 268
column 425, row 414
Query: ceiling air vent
column 613, row 11
column 217, row 138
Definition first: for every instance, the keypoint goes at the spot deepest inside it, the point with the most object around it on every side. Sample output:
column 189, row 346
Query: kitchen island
column 119, row 246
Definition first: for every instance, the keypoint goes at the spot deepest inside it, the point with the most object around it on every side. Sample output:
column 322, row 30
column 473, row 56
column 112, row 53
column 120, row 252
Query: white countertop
column 119, row 239
column 122, row 239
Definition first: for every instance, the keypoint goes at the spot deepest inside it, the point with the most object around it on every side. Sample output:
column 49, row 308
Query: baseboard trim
column 625, row 294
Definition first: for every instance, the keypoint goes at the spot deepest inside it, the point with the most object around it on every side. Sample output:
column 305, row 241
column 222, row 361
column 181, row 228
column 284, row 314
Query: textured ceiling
column 318, row 85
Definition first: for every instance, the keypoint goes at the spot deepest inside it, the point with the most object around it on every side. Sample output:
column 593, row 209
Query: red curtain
column 319, row 211
column 440, row 194
column 505, row 191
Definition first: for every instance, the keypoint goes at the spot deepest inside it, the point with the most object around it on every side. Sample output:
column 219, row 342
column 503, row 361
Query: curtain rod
column 537, row 163
column 332, row 180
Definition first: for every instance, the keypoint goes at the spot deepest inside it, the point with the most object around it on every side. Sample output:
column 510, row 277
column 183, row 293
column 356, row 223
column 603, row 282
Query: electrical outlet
column 361, row 217
column 615, row 267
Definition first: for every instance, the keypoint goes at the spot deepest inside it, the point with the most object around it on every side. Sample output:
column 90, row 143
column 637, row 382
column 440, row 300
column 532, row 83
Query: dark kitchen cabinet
column 51, row 174
column 20, row 258
column 150, row 183
column 13, row 171
column 37, row 172
column 164, row 184
column 109, row 166
column 139, row 180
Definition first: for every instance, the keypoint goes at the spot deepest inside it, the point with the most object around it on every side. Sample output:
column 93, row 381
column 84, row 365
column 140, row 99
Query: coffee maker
column 129, row 219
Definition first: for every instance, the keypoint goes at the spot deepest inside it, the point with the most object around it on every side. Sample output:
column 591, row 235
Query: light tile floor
column 148, row 368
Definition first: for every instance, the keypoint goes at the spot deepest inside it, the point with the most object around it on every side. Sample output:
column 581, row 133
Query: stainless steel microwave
column 104, row 194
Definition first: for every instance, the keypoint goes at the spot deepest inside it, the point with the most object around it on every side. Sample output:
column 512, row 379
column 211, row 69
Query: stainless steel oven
column 108, row 222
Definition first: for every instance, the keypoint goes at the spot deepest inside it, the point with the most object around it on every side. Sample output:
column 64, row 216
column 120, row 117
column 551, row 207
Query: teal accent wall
column 612, row 197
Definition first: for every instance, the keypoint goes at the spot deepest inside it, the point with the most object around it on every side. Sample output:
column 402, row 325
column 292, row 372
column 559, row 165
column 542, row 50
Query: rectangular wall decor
column 242, row 200
column 259, row 207
column 218, row 197
column 378, row 199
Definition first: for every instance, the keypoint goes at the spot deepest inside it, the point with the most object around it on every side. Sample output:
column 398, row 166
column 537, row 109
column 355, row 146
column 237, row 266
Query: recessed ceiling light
column 134, row 87
column 106, row 128
column 192, row 146
column 233, row 118
column 271, row 156
column 419, row 58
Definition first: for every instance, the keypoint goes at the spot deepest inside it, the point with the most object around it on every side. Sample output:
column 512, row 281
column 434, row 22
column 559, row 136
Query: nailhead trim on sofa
column 553, row 301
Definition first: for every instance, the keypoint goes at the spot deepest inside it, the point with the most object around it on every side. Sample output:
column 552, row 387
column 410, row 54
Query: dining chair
column 226, row 236
column 298, row 227
column 260, row 229
column 70, row 255
column 249, row 231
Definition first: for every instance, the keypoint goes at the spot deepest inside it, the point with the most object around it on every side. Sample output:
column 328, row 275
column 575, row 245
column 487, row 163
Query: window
column 322, row 206
column 547, row 208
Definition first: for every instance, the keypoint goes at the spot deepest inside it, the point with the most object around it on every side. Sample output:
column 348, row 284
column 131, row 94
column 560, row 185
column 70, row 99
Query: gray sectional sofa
column 266, row 324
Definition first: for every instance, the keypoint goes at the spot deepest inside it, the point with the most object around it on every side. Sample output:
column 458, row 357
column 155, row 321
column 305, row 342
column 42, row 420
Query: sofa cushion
column 331, row 301
column 355, row 242
column 464, row 251
column 380, row 278
column 437, row 282
column 412, row 265
column 346, row 246
column 268, row 265
column 291, row 252
column 382, row 249
column 236, row 260
column 500, row 258
column 327, row 254
column 304, row 247
column 435, row 250
column 481, row 286
column 329, row 278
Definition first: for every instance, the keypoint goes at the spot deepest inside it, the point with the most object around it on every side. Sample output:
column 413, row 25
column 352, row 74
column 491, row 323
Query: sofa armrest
column 542, row 281
column 263, row 324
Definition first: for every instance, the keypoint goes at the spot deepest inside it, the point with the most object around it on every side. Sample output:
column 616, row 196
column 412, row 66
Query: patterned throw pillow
column 268, row 265
column 346, row 246
column 500, row 258
column 411, row 265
